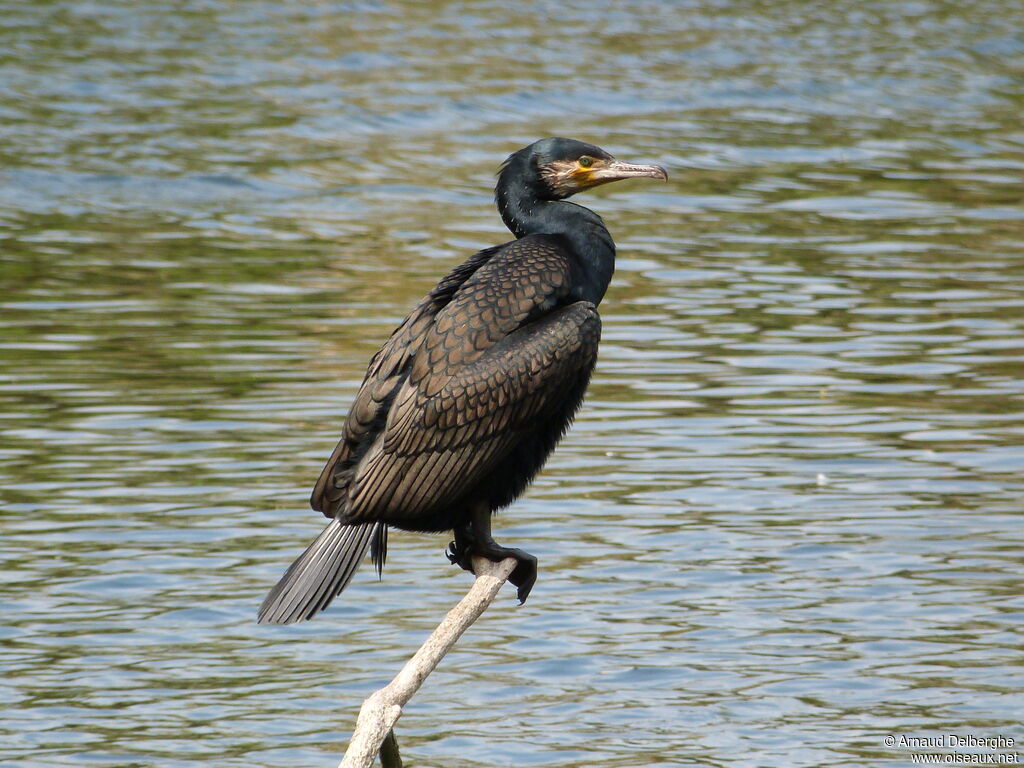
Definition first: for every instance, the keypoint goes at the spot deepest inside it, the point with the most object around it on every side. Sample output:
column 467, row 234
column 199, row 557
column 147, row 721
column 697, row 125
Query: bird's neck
column 584, row 231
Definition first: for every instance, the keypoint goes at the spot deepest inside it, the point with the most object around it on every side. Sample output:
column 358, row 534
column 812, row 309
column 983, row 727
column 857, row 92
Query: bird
column 463, row 404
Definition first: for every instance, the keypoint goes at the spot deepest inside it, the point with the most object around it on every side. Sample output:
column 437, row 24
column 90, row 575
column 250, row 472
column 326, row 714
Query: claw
column 463, row 559
column 523, row 592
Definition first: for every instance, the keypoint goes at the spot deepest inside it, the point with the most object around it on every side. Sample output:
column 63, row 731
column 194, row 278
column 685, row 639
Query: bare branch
column 382, row 709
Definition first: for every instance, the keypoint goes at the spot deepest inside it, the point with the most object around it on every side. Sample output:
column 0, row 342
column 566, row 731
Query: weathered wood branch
column 382, row 709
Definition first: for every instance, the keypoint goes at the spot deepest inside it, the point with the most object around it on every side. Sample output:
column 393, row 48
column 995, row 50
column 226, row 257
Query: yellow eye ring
column 585, row 161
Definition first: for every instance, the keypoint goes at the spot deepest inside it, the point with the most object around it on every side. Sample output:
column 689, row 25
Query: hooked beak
column 605, row 171
column 567, row 177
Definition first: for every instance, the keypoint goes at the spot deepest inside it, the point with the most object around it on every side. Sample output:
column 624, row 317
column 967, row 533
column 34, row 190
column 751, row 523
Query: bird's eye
column 586, row 161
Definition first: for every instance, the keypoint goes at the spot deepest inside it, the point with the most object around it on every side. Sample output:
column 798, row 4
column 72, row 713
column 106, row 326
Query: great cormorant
column 462, row 405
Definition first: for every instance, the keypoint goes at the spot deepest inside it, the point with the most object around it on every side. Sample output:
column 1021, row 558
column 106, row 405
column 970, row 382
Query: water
column 787, row 522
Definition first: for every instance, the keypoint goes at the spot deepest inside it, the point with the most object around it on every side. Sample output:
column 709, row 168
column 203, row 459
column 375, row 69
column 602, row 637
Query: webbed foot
column 523, row 576
column 474, row 539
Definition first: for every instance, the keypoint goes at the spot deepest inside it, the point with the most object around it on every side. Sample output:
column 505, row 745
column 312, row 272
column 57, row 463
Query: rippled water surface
column 788, row 520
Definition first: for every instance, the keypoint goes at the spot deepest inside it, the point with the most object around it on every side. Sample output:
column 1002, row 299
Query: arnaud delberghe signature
column 953, row 740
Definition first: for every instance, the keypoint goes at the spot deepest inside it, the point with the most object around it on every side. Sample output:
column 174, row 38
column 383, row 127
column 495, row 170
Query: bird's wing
column 497, row 361
column 386, row 370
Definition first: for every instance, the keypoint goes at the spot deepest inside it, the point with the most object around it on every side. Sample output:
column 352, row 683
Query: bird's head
column 556, row 168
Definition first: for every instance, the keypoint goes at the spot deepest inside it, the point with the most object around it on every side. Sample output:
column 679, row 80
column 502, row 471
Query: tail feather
column 319, row 573
column 379, row 548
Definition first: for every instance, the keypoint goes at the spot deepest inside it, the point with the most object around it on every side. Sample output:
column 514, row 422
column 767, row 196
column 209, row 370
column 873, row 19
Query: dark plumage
column 462, row 406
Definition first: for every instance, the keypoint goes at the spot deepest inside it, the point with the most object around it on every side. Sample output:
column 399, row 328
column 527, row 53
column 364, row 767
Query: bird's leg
column 525, row 573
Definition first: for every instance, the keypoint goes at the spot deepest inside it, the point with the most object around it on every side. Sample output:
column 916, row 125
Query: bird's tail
column 322, row 571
